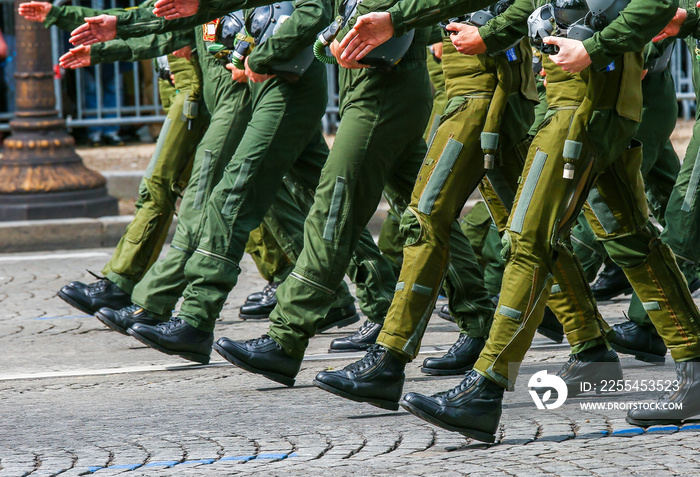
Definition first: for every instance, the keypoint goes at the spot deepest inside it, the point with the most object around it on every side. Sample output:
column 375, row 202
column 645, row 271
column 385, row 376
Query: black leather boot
column 123, row 319
column 611, row 282
column 473, row 408
column 550, row 327
column 459, row 359
column 586, row 371
column 683, row 393
column 338, row 318
column 176, row 337
column 444, row 313
column 360, row 340
column 261, row 356
column 261, row 309
column 89, row 298
column 270, row 288
column 640, row 341
column 376, row 379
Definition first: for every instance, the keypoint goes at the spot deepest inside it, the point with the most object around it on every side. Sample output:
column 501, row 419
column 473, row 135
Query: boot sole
column 445, row 372
column 381, row 403
column 341, row 323
column 474, row 434
column 552, row 335
column 75, row 304
column 111, row 325
column 639, row 355
column 278, row 378
column 196, row 357
column 254, row 317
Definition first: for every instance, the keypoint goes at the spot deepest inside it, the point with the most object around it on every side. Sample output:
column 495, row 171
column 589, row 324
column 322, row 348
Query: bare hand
column 172, row 9
column 253, row 76
column 337, row 51
column 3, row 47
column 34, row 11
column 673, row 27
column 370, row 31
column 436, row 49
column 78, row 57
column 185, row 53
column 467, row 39
column 237, row 75
column 95, row 30
column 572, row 55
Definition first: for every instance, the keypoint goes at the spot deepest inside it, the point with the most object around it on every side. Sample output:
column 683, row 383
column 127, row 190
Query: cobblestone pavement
column 77, row 399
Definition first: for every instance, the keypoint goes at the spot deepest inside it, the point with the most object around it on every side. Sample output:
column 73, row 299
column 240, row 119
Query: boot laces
column 458, row 344
column 270, row 289
column 374, row 354
column 169, row 325
column 363, row 329
column 469, row 380
column 131, row 309
column 259, row 341
column 99, row 286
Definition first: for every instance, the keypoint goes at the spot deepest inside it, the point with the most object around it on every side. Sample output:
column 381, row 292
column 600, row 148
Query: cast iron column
column 41, row 176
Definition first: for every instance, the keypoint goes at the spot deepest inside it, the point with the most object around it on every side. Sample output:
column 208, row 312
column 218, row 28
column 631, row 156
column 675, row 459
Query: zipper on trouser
column 312, row 283
column 218, row 257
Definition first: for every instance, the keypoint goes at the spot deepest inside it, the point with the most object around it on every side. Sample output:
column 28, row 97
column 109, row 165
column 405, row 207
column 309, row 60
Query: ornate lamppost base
column 57, row 205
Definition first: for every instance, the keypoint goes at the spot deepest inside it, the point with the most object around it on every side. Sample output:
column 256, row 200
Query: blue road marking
column 164, row 463
column 634, row 430
column 663, row 429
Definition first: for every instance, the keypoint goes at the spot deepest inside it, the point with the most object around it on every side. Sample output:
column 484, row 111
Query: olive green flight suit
column 604, row 107
column 660, row 165
column 166, row 177
column 171, row 163
column 370, row 151
column 273, row 264
column 453, row 168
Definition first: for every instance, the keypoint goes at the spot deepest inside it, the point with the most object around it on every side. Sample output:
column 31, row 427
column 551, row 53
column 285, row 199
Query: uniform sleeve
column 70, row 17
column 142, row 21
column 409, row 14
column 508, row 27
column 296, row 33
column 144, row 48
column 637, row 24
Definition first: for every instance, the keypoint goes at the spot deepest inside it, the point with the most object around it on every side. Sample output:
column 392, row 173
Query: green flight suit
column 171, row 163
column 166, row 177
column 599, row 112
column 371, row 151
column 369, row 268
column 286, row 118
column 485, row 239
column 229, row 107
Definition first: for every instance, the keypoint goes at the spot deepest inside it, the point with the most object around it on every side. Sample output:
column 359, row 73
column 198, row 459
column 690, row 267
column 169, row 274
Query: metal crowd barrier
column 81, row 94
